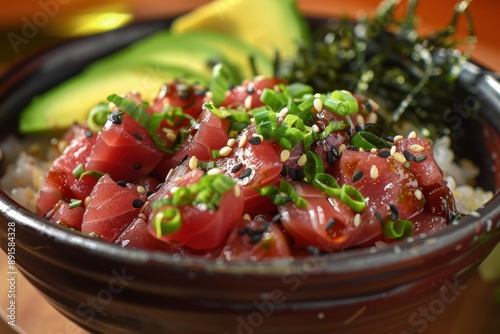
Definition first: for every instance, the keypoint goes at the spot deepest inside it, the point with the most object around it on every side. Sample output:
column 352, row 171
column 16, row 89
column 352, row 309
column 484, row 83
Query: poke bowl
column 107, row 288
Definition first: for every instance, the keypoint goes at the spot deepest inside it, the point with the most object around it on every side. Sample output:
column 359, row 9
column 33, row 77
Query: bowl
column 107, row 289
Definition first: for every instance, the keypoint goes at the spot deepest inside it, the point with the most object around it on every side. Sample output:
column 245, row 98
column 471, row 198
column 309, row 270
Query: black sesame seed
column 330, row 158
column 231, row 86
column 420, row 158
column 149, row 193
column 116, row 117
column 384, row 153
column 255, row 140
column 138, row 136
column 250, row 90
column 88, row 133
column 256, row 238
column 284, row 170
column 335, row 151
column 352, row 148
column 296, row 174
column 379, row 218
column 408, row 155
column 390, row 139
column 137, row 166
column 394, row 212
column 236, row 168
column 182, row 160
column 358, row 128
column 330, row 223
column 122, row 183
column 369, row 106
column 138, row 203
column 246, row 173
column 313, row 250
column 358, row 175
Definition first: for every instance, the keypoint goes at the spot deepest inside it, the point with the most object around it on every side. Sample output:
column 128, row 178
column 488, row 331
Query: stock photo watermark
column 11, row 274
column 420, row 319
column 97, row 304
column 31, row 25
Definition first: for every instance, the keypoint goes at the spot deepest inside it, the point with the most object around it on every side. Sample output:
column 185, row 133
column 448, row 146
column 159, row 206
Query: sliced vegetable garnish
column 221, row 79
column 367, row 140
column 351, row 196
column 75, row 203
column 208, row 191
column 79, row 172
column 397, row 229
column 282, row 195
column 98, row 117
column 132, row 109
column 239, row 118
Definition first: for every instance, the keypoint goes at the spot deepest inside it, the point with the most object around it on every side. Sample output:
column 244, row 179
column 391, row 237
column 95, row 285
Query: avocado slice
column 71, row 101
column 163, row 46
column 270, row 25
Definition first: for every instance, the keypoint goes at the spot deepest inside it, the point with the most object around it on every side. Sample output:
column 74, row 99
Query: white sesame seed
column 416, row 148
column 87, row 200
column 374, row 172
column 193, row 162
column 166, row 130
column 243, row 141
column 375, row 105
column 357, row 220
column 315, row 128
column 341, row 148
column 247, row 217
column 237, row 190
column 302, row 160
column 283, row 112
column 257, row 135
column 214, row 171
column 173, row 189
column 142, row 216
column 418, row 194
column 248, row 102
column 285, row 155
column 141, row 190
column 317, row 95
column 372, row 118
column 399, row 157
column 412, row 134
column 177, row 179
column 373, row 150
column 393, row 150
column 361, row 149
column 318, row 105
column 398, row 138
column 225, row 151
column 171, row 136
column 170, row 172
column 231, row 142
column 360, row 119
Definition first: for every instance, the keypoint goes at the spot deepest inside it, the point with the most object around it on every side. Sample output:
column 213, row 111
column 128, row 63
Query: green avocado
column 270, row 25
column 223, row 31
column 71, row 102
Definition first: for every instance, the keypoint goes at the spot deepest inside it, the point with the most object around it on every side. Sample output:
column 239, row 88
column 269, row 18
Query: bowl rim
column 485, row 221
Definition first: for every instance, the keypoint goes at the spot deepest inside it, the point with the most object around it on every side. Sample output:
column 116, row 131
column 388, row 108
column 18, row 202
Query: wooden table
column 472, row 313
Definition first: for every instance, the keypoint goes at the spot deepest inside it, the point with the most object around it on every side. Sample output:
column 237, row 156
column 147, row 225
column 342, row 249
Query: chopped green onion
column 131, row 109
column 276, row 194
column 98, row 116
column 352, row 197
column 216, row 154
column 78, row 171
column 167, row 221
column 221, row 79
column 348, row 98
column 275, row 100
column 240, row 118
column 397, row 229
column 367, row 140
column 75, row 203
column 327, row 184
column 298, row 90
column 313, row 166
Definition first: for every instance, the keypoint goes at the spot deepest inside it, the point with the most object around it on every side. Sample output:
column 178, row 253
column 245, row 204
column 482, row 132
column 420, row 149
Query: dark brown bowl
column 108, row 289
